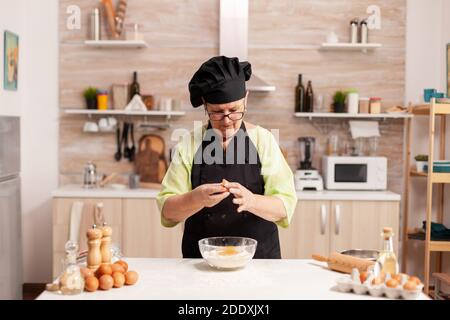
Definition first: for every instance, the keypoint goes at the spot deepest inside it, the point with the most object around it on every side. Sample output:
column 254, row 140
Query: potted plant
column 421, row 161
column 90, row 95
column 339, row 102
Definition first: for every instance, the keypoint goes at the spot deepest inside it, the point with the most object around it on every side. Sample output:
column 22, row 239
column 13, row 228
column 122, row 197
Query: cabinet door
column 143, row 234
column 308, row 232
column 358, row 224
column 62, row 208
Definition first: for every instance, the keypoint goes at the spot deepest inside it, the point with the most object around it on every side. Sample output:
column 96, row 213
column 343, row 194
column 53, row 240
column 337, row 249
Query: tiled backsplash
column 284, row 37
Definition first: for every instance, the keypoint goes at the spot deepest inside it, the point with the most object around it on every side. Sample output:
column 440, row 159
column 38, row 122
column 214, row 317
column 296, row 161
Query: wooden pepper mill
column 106, row 243
column 94, row 257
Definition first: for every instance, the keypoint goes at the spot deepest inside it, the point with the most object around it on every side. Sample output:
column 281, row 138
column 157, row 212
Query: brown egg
column 86, row 272
column 117, row 267
column 123, row 264
column 119, row 279
column 363, row 276
column 397, row 277
column 104, row 269
column 383, row 275
column 91, row 284
column 415, row 279
column 411, row 285
column 131, row 277
column 106, row 282
column 392, row 283
column 377, row 281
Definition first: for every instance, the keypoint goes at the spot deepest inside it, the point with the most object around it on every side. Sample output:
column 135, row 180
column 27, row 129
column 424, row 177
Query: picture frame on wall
column 448, row 68
column 11, row 61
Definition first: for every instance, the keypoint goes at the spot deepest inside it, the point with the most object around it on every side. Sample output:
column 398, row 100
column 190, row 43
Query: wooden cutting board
column 151, row 164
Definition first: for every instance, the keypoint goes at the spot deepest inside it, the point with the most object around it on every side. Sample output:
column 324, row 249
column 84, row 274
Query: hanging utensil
column 133, row 147
column 118, row 154
column 126, row 150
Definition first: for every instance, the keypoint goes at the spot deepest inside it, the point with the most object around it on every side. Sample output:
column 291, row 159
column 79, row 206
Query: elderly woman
column 233, row 180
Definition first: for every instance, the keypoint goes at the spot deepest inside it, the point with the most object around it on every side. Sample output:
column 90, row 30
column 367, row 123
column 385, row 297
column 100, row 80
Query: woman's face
column 225, row 124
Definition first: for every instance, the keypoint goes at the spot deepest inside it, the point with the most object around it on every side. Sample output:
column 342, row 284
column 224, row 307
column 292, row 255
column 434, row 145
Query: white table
column 193, row 279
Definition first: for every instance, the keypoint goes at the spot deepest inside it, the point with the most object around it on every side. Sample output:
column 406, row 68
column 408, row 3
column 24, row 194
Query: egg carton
column 353, row 284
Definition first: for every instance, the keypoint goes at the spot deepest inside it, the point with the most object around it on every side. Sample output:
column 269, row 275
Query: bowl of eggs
column 227, row 253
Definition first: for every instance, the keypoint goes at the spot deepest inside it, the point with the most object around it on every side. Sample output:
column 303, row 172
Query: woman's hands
column 210, row 194
column 242, row 196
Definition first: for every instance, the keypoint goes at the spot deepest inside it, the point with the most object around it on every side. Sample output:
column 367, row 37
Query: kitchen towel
column 364, row 129
column 87, row 220
column 75, row 220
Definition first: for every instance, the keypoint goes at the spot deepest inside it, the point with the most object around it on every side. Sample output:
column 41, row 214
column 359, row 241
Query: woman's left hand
column 242, row 196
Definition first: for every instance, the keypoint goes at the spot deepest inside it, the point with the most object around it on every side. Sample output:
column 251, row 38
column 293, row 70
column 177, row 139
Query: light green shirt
column 278, row 177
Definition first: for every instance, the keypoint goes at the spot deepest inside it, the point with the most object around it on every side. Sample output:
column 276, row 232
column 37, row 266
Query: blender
column 307, row 177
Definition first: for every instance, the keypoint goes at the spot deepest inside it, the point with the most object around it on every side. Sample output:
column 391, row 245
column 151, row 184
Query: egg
column 228, row 251
column 106, row 282
column 415, row 279
column 377, row 281
column 392, row 283
column 397, row 277
column 123, row 264
column 363, row 276
column 91, row 283
column 119, row 279
column 411, row 285
column 131, row 277
column 117, row 267
column 86, row 272
column 104, row 269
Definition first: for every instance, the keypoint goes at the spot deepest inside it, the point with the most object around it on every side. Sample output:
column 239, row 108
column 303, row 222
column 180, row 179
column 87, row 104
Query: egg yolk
column 228, row 251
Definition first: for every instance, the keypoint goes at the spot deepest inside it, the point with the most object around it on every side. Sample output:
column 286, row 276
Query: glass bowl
column 227, row 252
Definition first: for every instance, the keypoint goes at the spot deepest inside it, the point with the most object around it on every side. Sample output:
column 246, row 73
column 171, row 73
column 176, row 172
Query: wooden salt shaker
column 106, row 244
column 94, row 257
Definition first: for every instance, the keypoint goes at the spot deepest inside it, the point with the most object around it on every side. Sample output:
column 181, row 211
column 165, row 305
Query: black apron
column 223, row 219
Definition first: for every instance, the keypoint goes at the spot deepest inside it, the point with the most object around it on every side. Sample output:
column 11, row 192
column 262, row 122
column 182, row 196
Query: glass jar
column 375, row 105
column 71, row 281
column 102, row 100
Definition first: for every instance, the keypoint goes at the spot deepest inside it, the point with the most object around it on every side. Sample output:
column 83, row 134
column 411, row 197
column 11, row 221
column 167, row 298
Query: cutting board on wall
column 151, row 164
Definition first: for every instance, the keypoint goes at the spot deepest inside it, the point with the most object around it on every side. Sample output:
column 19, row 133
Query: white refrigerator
column 10, row 211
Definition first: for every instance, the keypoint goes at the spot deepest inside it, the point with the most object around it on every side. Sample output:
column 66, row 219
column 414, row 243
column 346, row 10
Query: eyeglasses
column 219, row 116
column 233, row 116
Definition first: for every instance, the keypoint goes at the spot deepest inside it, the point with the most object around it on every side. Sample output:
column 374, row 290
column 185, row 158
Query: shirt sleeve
column 278, row 177
column 177, row 181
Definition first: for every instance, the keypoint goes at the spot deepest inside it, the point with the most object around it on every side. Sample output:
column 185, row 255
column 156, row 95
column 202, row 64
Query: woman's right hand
column 210, row 194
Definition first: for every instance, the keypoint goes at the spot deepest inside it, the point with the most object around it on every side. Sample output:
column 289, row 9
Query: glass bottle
column 134, row 87
column 309, row 98
column 299, row 95
column 71, row 281
column 387, row 260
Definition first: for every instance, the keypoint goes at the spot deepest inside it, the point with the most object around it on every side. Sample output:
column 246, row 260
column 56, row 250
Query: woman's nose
column 227, row 121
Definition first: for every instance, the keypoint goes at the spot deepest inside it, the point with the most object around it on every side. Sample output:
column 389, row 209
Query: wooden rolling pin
column 344, row 263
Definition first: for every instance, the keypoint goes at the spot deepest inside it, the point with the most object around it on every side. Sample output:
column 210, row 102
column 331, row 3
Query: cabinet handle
column 337, row 216
column 323, row 218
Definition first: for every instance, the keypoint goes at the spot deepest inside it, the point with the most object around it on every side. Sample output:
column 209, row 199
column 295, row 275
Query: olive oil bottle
column 387, row 260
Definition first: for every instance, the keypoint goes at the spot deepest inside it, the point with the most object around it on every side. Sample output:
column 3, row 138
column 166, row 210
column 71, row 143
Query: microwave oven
column 354, row 173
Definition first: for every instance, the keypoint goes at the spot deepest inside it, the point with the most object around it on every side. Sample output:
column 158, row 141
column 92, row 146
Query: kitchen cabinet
column 136, row 228
column 326, row 226
column 62, row 207
column 143, row 234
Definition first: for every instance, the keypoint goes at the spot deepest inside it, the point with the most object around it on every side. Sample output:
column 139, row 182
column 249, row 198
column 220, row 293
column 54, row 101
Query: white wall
column 11, row 19
column 36, row 102
column 39, row 136
column 428, row 32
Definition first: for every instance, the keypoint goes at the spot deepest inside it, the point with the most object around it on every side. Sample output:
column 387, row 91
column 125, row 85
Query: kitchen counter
column 193, row 279
column 349, row 195
column 76, row 191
